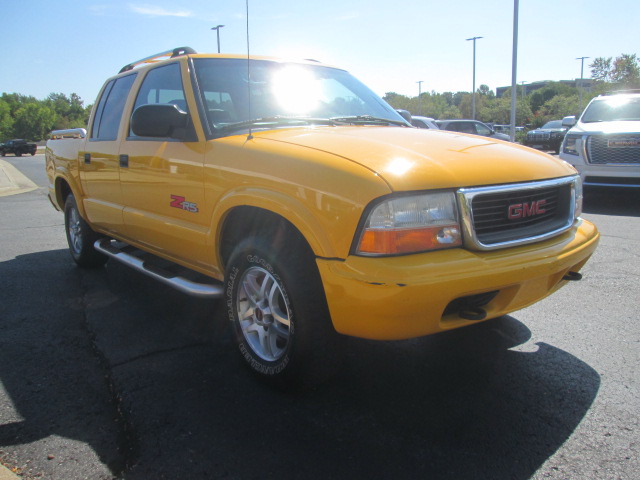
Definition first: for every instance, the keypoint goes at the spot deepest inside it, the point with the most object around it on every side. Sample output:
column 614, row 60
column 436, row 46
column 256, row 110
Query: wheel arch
column 244, row 213
column 246, row 221
column 63, row 188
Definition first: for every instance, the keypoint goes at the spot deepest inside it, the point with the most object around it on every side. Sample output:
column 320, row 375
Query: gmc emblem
column 524, row 210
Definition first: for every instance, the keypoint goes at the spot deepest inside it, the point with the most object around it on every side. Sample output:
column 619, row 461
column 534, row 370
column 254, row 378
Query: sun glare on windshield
column 296, row 90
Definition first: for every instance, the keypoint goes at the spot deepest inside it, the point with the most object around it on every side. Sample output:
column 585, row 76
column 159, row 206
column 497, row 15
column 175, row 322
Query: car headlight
column 578, row 196
column 570, row 146
column 410, row 224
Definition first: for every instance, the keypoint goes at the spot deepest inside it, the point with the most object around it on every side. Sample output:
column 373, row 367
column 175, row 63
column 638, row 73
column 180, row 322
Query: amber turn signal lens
column 396, row 242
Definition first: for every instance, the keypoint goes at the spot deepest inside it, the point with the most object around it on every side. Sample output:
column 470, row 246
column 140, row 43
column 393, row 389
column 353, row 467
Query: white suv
column 604, row 144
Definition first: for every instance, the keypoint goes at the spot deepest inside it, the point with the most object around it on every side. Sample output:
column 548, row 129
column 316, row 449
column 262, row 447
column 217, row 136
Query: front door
column 162, row 179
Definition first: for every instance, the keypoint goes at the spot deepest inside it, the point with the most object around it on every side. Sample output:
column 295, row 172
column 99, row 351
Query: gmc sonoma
column 294, row 193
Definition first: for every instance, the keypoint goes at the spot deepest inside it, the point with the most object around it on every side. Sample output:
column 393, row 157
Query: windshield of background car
column 281, row 90
column 612, row 109
column 553, row 124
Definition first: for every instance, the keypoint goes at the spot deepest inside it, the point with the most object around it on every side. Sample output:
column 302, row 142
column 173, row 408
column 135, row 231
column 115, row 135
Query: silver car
column 472, row 126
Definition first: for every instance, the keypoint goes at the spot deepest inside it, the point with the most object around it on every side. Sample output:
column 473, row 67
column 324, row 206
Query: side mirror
column 159, row 120
column 404, row 114
column 569, row 121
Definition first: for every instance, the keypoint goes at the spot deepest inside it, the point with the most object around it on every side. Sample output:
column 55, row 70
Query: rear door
column 99, row 164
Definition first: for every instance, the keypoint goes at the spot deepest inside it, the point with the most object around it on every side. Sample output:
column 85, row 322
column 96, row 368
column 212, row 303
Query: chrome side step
column 190, row 287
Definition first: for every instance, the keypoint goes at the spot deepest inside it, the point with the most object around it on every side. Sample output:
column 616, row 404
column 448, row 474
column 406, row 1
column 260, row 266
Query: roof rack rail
column 176, row 52
column 618, row 92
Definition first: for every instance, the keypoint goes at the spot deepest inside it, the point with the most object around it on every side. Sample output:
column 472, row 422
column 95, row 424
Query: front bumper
column 405, row 297
column 609, row 175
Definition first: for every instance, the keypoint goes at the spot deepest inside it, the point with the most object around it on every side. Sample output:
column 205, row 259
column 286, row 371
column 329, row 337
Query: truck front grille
column 537, row 136
column 509, row 215
column 621, row 149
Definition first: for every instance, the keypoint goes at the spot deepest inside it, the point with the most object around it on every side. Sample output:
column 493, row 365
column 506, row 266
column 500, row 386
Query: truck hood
column 416, row 159
column 621, row 127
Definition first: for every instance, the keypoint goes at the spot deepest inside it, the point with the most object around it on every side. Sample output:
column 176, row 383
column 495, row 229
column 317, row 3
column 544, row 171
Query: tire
column 18, row 154
column 281, row 322
column 81, row 237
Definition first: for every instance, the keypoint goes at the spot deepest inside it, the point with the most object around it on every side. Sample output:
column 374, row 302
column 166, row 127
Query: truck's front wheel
column 276, row 303
column 81, row 237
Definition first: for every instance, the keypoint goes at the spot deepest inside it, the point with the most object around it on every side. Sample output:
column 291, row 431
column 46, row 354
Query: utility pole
column 473, row 101
column 217, row 29
column 581, row 77
column 419, row 82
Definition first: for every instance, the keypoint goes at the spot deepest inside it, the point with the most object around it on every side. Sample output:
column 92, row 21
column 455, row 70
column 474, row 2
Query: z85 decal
column 179, row 202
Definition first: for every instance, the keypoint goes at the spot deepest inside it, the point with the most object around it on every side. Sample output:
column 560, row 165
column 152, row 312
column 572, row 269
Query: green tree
column 539, row 97
column 601, row 69
column 34, row 121
column 70, row 112
column 623, row 71
column 6, row 121
column 626, row 70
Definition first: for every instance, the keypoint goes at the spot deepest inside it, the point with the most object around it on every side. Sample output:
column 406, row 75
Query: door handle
column 124, row 161
column 87, row 158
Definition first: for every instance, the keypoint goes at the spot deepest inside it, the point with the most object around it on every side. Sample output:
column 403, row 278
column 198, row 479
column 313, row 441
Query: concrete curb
column 6, row 474
column 12, row 181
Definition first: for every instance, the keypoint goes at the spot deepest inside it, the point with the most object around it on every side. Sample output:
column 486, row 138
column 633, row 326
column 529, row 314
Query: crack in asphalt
column 127, row 439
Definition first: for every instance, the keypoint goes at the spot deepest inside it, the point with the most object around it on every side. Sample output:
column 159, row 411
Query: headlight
column 411, row 224
column 570, row 146
column 577, row 191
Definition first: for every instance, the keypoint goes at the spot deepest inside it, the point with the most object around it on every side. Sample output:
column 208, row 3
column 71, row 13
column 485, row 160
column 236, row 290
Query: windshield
column 612, row 109
column 282, row 94
column 553, row 124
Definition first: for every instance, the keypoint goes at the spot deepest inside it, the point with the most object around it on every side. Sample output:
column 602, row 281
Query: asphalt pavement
column 11, row 183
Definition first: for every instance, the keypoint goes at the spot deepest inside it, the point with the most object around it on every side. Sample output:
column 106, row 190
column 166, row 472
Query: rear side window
column 109, row 112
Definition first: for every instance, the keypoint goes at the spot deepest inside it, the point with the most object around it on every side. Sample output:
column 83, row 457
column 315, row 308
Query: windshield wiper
column 369, row 120
column 264, row 122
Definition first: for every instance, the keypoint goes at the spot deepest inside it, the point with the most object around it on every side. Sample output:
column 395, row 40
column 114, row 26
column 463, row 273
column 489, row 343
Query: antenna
column 250, row 137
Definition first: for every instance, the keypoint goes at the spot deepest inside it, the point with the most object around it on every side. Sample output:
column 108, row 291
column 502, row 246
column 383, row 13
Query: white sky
column 73, row 46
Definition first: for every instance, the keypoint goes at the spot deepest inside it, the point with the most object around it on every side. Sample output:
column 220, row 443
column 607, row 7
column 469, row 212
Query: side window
column 467, row 127
column 482, row 130
column 110, row 107
column 162, row 85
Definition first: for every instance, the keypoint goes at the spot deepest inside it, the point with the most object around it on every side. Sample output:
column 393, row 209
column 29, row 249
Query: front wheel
column 276, row 303
column 81, row 237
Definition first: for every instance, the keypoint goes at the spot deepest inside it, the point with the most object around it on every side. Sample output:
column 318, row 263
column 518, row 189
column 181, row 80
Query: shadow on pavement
column 464, row 404
column 612, row 201
column 49, row 372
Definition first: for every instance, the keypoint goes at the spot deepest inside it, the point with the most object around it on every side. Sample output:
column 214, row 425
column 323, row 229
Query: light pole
column 581, row 76
column 217, row 29
column 514, row 71
column 522, row 88
column 419, row 82
column 473, row 98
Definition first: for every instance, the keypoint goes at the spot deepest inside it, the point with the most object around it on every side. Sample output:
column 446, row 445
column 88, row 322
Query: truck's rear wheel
column 81, row 237
column 276, row 303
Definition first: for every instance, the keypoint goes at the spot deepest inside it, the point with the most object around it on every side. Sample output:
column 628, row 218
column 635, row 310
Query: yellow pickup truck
column 293, row 193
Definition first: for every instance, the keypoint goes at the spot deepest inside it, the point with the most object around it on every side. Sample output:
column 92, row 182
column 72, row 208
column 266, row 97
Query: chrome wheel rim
column 263, row 314
column 75, row 237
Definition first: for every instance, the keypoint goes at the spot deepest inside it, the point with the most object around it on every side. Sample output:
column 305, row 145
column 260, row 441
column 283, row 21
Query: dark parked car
column 548, row 137
column 18, row 147
column 424, row 122
column 471, row 126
